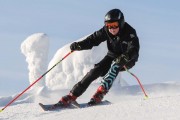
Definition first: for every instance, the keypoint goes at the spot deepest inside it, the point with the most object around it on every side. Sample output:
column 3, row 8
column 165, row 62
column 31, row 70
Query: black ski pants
column 99, row 69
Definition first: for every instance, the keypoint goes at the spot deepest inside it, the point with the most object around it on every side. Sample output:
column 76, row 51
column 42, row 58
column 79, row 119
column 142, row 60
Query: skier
column 123, row 50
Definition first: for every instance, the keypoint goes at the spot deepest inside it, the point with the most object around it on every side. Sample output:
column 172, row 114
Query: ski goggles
column 112, row 25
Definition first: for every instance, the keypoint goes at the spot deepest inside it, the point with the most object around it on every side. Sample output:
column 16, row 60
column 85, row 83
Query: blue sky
column 156, row 23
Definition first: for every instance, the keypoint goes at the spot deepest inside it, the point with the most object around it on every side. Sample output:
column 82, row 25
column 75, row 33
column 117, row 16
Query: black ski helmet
column 115, row 15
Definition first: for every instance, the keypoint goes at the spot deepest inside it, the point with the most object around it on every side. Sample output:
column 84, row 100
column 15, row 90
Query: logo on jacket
column 132, row 35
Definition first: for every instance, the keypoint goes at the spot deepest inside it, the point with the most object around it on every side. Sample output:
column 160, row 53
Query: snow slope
column 162, row 105
column 128, row 102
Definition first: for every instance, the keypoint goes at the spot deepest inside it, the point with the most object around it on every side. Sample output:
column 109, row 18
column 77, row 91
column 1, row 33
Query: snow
column 35, row 48
column 128, row 103
column 163, row 105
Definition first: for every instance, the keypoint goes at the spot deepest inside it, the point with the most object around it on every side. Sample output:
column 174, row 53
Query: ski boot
column 98, row 96
column 66, row 100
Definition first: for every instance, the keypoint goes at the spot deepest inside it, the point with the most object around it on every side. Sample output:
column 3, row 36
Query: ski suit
column 125, row 42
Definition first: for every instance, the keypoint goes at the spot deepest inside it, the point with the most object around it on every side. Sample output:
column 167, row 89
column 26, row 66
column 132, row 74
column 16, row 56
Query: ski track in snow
column 136, row 108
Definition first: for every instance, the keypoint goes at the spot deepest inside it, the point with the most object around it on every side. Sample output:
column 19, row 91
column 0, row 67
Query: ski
column 73, row 105
column 52, row 107
column 85, row 105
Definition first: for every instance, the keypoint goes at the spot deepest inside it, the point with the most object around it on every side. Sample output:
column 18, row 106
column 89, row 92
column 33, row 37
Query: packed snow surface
column 162, row 105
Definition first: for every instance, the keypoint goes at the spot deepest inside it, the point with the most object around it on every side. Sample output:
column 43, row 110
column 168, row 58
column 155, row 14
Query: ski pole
column 146, row 96
column 35, row 82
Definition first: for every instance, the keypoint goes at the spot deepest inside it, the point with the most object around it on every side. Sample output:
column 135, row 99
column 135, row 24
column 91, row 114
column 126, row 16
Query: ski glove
column 75, row 46
column 122, row 59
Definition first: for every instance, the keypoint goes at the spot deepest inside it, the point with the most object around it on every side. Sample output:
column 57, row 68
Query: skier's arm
column 133, row 47
column 132, row 53
column 93, row 40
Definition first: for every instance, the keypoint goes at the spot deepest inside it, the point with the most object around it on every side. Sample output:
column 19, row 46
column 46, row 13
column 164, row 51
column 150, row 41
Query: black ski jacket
column 125, row 42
